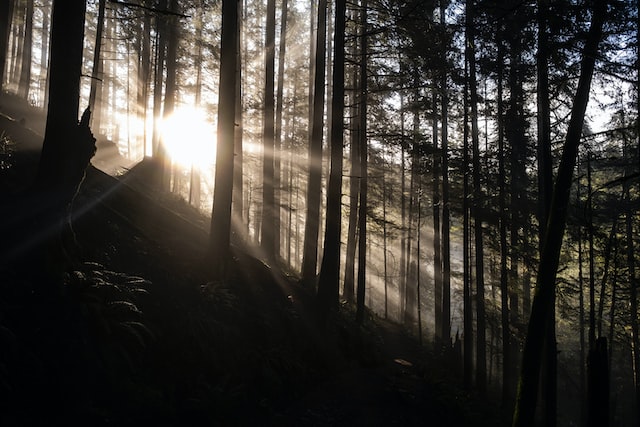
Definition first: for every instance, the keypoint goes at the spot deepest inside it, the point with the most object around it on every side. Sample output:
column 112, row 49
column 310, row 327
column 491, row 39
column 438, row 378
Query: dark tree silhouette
column 311, row 228
column 541, row 311
column 220, row 236
column 68, row 146
column 328, row 286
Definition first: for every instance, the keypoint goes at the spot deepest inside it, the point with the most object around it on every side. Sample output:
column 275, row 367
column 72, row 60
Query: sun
column 189, row 138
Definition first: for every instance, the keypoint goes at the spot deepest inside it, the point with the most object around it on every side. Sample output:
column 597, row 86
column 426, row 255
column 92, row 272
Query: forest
column 319, row 212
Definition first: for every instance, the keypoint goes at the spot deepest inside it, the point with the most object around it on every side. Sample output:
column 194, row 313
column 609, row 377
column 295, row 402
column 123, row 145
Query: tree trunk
column 170, row 91
column 507, row 357
column 144, row 74
column 481, row 346
column 278, row 125
column 466, row 287
column 542, row 308
column 437, row 248
column 157, row 147
column 96, row 78
column 238, row 159
column 5, row 25
column 364, row 151
column 633, row 303
column 545, row 189
column 220, row 237
column 25, row 69
column 310, row 251
column 68, row 146
column 328, row 285
column 267, row 241
column 446, row 246
column 354, row 188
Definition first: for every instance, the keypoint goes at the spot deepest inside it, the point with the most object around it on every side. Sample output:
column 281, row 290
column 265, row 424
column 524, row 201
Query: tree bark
column 328, row 285
column 267, row 240
column 481, row 349
column 545, row 189
column 278, row 125
column 25, row 68
column 220, row 236
column 362, row 127
column 96, row 78
column 311, row 228
column 5, row 25
column 68, row 145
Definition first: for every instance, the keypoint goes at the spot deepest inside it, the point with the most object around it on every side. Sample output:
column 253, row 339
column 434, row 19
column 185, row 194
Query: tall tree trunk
column 329, row 283
column 171, row 89
column 5, row 25
column 507, row 356
column 44, row 56
column 354, row 189
column 25, row 69
column 64, row 97
column 446, row 245
column 277, row 151
column 238, row 159
column 633, row 306
column 310, row 251
column 144, row 75
column 466, row 287
column 592, row 282
column 18, row 41
column 481, row 345
column 364, row 151
column 267, row 240
column 161, row 44
column 402, row 274
column 220, row 236
column 542, row 308
column 581, row 317
column 96, row 78
column 437, row 248
column 545, row 188
column 68, row 146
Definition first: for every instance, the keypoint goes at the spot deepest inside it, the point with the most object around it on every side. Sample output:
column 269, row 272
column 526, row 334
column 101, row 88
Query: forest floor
column 147, row 339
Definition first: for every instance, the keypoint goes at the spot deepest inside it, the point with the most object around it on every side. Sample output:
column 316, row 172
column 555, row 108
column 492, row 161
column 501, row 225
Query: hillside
column 140, row 336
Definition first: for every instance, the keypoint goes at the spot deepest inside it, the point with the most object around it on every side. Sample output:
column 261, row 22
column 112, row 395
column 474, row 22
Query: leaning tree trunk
column 542, row 308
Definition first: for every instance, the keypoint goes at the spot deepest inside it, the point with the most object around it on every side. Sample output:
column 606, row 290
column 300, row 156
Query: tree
column 25, row 68
column 545, row 188
column 96, row 78
column 363, row 149
column 328, row 285
column 268, row 203
column 5, row 24
column 220, row 236
column 311, row 227
column 277, row 149
column 541, row 311
column 446, row 224
column 481, row 362
column 68, row 145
